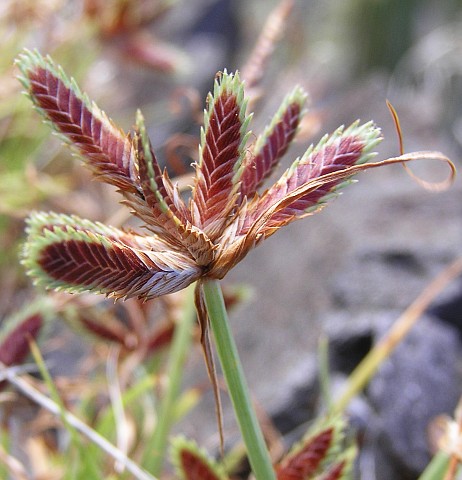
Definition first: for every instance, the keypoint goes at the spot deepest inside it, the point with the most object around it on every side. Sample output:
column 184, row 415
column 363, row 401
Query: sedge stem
column 252, row 435
column 437, row 468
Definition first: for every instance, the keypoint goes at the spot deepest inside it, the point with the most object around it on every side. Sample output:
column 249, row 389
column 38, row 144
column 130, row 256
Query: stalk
column 437, row 468
column 157, row 446
column 257, row 452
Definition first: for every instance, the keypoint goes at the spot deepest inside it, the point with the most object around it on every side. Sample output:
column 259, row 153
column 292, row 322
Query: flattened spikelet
column 221, row 153
column 104, row 147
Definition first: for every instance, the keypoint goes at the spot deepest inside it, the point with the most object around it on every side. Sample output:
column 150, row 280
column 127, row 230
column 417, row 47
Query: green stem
column 154, row 455
column 257, row 452
column 436, row 468
column 324, row 371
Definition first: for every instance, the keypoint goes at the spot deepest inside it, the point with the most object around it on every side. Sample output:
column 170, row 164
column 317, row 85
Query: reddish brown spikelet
column 277, row 142
column 68, row 261
column 332, row 158
column 158, row 191
column 107, row 150
column 195, row 468
column 305, row 461
column 102, row 331
column 112, row 269
column 167, row 213
column 221, row 155
column 161, row 338
column 76, row 255
column 334, row 154
column 15, row 347
column 193, row 463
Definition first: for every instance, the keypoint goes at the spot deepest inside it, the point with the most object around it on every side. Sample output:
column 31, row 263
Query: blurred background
column 348, row 271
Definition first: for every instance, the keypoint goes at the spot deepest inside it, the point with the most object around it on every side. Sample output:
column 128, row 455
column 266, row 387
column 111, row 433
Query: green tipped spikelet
column 193, row 463
column 69, row 254
column 273, row 143
column 221, row 153
column 103, row 146
column 312, row 179
column 322, row 453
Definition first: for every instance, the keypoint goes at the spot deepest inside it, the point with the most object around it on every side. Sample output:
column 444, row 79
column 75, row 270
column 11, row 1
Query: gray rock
column 298, row 403
column 449, row 308
column 420, row 380
column 351, row 336
column 400, row 267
